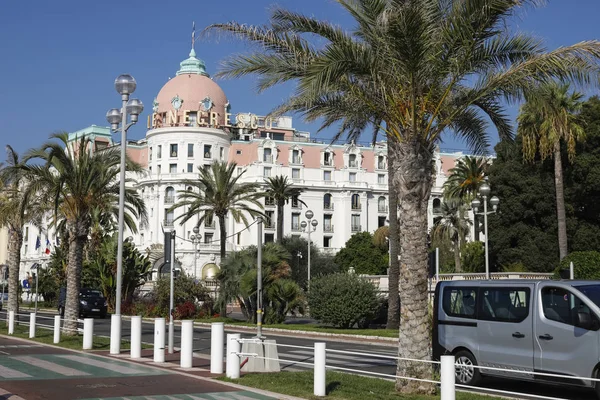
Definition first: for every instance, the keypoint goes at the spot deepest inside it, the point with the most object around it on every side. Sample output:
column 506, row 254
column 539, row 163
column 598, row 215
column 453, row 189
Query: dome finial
column 192, row 65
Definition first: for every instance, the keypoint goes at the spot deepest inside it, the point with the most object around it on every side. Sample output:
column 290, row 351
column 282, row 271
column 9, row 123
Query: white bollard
column 159, row 340
column 11, row 322
column 115, row 334
column 187, row 344
column 232, row 369
column 88, row 333
column 217, row 335
column 32, row 325
column 448, row 371
column 136, row 337
column 320, row 381
column 57, row 329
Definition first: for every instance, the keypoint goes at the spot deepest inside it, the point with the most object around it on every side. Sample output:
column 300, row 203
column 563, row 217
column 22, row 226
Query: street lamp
column 309, row 226
column 125, row 86
column 484, row 192
column 196, row 237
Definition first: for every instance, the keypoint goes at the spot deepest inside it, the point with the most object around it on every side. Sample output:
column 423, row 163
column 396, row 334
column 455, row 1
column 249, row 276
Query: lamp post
column 484, row 192
column 125, row 86
column 196, row 237
column 259, row 289
column 309, row 226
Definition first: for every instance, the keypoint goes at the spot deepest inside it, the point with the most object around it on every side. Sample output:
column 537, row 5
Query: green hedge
column 586, row 265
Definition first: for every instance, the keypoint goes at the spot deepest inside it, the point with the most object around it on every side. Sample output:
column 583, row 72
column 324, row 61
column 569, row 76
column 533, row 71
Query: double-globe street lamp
column 309, row 226
column 484, row 192
column 125, row 86
column 195, row 238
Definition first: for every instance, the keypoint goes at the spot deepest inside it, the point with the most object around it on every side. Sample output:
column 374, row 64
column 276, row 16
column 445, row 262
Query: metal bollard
column 11, row 322
column 31, row 325
column 88, row 333
column 115, row 334
column 187, row 344
column 232, row 369
column 448, row 371
column 319, row 373
column 217, row 335
column 57, row 329
column 159, row 340
column 136, row 337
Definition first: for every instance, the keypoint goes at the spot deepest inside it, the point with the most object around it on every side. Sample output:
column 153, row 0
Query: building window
column 355, row 222
column 381, row 179
column 222, row 153
column 327, row 241
column 159, row 151
column 327, row 159
column 381, row 162
column 327, row 225
column 352, row 177
column 267, row 172
column 296, row 202
column 295, row 173
column 190, row 167
column 159, row 169
column 169, row 195
column 269, row 221
column 239, row 238
column 267, row 155
column 437, row 206
column 150, row 154
column 269, row 201
column 239, row 171
column 190, row 150
column 352, row 162
column 209, row 222
column 355, row 202
column 327, row 176
column 152, row 212
column 238, row 152
column 295, row 221
column 169, row 217
column 382, row 204
column 207, row 151
column 173, row 150
column 381, row 221
column 150, row 169
column 208, row 237
column 269, row 237
column 295, row 156
column 173, row 168
column 141, row 238
column 327, row 202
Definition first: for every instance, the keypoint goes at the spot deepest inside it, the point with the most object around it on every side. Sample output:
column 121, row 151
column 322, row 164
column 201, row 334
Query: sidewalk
column 33, row 371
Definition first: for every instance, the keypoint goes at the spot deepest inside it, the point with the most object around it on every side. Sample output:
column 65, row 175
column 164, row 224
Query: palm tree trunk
column 393, row 317
column 280, row 205
column 413, row 179
column 223, row 232
column 77, row 238
column 560, row 202
column 457, row 266
column 14, row 262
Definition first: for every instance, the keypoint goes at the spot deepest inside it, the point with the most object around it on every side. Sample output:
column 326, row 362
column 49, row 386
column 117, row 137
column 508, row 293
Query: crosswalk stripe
column 50, row 366
column 102, row 364
column 6, row 372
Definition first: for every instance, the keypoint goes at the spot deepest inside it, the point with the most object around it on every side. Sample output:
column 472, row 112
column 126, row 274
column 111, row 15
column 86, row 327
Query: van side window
column 459, row 301
column 562, row 306
column 504, row 304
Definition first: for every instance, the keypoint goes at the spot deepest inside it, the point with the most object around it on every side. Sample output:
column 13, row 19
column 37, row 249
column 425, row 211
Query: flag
column 193, row 33
column 38, row 243
column 47, row 247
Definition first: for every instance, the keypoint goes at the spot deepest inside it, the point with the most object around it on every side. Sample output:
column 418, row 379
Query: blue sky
column 59, row 58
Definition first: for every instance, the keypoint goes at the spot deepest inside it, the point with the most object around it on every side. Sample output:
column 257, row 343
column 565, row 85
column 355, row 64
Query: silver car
column 520, row 325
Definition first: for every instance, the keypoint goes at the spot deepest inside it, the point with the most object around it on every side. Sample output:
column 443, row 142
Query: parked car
column 533, row 326
column 91, row 302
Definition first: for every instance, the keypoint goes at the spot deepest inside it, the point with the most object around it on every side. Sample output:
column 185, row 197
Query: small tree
column 473, row 257
column 342, row 300
column 362, row 254
column 186, row 290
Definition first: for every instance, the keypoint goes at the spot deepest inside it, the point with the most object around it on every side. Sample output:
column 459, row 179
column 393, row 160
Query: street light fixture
column 309, row 226
column 196, row 237
column 484, row 192
column 125, row 86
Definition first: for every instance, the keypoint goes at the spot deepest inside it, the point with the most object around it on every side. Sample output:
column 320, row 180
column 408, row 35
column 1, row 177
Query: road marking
column 9, row 395
column 6, row 372
column 102, row 364
column 338, row 357
column 50, row 366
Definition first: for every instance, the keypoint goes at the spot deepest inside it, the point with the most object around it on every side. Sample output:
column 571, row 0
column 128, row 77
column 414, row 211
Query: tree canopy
column 362, row 254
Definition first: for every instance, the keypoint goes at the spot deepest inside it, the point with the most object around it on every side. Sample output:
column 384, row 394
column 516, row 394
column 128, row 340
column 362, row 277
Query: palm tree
column 393, row 317
column 19, row 205
column 414, row 69
column 219, row 192
column 548, row 118
column 281, row 190
column 464, row 181
column 453, row 225
column 81, row 181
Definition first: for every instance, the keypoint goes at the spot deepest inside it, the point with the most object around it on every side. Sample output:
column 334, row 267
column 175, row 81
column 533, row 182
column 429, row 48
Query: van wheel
column 466, row 373
column 597, row 384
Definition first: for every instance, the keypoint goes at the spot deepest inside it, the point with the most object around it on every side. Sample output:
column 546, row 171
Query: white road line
column 334, row 356
column 50, row 366
column 6, row 372
column 102, row 364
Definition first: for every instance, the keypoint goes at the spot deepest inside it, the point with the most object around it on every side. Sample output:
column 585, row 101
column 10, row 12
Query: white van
column 526, row 325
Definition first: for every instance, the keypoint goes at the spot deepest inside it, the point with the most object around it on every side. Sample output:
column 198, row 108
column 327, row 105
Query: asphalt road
column 301, row 351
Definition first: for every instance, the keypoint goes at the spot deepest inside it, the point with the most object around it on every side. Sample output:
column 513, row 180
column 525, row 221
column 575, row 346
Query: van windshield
column 591, row 291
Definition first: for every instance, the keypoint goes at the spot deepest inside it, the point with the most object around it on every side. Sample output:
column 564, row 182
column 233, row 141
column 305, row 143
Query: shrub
column 586, row 265
column 342, row 300
column 473, row 257
column 185, row 310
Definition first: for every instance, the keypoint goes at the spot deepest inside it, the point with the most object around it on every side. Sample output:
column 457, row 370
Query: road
column 295, row 355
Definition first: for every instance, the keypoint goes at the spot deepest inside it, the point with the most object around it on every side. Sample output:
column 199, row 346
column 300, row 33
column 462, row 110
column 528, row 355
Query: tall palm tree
column 19, row 205
column 393, row 317
column 453, row 225
column 79, row 182
column 414, row 69
column 464, row 181
column 281, row 190
column 218, row 193
column 548, row 118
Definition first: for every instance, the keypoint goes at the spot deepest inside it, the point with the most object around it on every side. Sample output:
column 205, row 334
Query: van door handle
column 518, row 335
column 546, row 337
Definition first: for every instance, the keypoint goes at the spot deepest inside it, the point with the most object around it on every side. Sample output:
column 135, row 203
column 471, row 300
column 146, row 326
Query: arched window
column 355, row 202
column 169, row 195
column 437, row 206
column 381, row 204
column 267, row 155
column 352, row 160
column 327, row 202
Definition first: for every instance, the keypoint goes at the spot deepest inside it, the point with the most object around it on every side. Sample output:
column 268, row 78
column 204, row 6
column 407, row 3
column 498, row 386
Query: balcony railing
column 297, row 205
column 327, row 228
column 168, row 223
column 296, row 227
column 269, row 225
column 270, row 204
column 381, row 166
column 355, row 228
column 356, row 206
column 382, row 209
column 208, row 155
column 169, row 199
column 328, row 206
column 268, row 158
column 296, row 160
